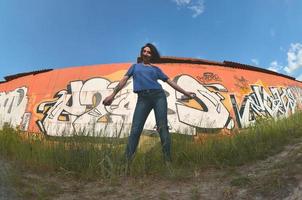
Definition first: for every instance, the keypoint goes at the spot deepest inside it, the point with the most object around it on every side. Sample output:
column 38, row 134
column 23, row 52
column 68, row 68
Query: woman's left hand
column 191, row 95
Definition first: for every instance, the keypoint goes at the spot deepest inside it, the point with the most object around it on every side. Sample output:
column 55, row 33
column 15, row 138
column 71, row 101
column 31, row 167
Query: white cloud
column 255, row 61
column 294, row 58
column 299, row 78
column 275, row 66
column 182, row 2
column 272, row 69
column 197, row 6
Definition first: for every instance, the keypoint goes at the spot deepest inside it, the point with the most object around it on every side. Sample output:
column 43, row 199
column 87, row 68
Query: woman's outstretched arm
column 179, row 89
column 108, row 100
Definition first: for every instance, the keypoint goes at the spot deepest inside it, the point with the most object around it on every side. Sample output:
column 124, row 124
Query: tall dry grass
column 104, row 158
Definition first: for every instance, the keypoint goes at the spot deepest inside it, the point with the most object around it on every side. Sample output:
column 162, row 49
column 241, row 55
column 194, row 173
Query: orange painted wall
column 42, row 87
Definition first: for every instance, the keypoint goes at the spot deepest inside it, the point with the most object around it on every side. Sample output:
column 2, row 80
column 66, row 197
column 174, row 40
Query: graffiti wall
column 12, row 106
column 66, row 102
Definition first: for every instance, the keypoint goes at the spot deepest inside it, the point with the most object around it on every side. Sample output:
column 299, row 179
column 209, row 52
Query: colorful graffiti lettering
column 260, row 103
column 241, row 83
column 209, row 76
column 12, row 106
column 297, row 92
column 211, row 112
column 78, row 110
column 25, row 121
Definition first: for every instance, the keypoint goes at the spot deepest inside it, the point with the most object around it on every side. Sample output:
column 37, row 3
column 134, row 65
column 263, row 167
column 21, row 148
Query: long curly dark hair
column 155, row 55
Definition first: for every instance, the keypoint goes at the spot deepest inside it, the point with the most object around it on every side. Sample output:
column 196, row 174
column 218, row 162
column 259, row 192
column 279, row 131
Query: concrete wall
column 68, row 101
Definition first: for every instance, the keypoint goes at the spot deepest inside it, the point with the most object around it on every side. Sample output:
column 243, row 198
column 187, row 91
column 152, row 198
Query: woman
column 150, row 96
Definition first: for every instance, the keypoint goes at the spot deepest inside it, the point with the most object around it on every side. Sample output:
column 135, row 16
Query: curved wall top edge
column 64, row 101
column 163, row 60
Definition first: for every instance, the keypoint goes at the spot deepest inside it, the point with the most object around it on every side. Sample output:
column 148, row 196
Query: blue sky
column 40, row 34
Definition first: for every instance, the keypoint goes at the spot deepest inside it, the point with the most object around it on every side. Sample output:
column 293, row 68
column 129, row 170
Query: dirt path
column 7, row 192
column 278, row 177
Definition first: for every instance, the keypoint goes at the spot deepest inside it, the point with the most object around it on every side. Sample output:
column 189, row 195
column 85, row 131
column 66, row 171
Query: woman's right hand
column 108, row 100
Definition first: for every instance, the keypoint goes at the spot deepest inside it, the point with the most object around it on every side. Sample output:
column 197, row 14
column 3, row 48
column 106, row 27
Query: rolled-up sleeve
column 130, row 71
column 161, row 75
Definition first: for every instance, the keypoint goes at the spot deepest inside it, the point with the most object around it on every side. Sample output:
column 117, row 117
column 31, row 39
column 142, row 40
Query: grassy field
column 89, row 157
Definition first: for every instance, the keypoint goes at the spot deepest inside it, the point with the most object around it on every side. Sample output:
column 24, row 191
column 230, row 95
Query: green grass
column 104, row 158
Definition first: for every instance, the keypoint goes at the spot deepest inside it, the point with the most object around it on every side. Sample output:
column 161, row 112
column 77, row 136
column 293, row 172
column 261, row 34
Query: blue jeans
column 148, row 100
